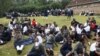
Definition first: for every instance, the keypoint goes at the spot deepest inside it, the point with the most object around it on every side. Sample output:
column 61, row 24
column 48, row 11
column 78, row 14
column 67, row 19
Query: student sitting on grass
column 65, row 32
column 95, row 47
column 57, row 29
column 87, row 30
column 18, row 38
column 29, row 40
column 26, row 29
column 79, row 29
column 1, row 34
column 98, row 29
column 80, row 48
column 59, row 37
column 66, row 49
column 5, row 35
column 72, row 32
column 10, row 26
column 50, row 40
column 33, row 23
column 38, row 49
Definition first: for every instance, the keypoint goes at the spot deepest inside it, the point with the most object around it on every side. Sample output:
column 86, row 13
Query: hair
column 5, row 28
column 82, row 40
column 98, row 34
column 64, row 27
column 51, row 32
column 30, row 31
column 1, row 25
column 68, row 38
column 33, row 19
column 46, row 25
column 56, row 25
column 74, row 19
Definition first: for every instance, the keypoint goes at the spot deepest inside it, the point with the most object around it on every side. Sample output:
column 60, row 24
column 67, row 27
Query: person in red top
column 34, row 23
column 93, row 26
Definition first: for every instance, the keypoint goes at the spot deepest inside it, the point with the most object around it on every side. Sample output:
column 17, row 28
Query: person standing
column 69, row 13
column 46, row 13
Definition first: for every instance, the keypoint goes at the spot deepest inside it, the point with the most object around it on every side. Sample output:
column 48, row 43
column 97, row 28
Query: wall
column 95, row 7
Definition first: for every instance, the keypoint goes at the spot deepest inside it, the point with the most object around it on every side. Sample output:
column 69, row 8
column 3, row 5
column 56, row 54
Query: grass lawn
column 8, row 49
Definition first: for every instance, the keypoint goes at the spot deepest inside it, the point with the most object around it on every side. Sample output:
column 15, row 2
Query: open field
column 8, row 49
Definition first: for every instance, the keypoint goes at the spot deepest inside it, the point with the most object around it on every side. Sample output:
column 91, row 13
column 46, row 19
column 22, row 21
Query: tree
column 5, row 5
column 56, row 5
column 37, row 5
column 65, row 3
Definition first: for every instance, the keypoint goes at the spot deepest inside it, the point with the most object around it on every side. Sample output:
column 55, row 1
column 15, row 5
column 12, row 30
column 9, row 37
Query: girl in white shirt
column 79, row 32
column 25, row 29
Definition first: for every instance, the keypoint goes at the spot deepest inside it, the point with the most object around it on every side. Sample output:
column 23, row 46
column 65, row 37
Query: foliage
column 29, row 5
column 5, row 5
column 56, row 5
column 39, row 5
column 65, row 3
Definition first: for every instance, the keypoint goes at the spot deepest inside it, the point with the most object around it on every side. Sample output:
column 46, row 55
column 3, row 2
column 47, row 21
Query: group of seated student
column 45, row 37
column 82, row 34
column 89, row 13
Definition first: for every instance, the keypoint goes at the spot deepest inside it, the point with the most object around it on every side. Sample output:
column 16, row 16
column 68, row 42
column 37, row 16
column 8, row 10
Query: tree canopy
column 30, row 5
column 5, row 5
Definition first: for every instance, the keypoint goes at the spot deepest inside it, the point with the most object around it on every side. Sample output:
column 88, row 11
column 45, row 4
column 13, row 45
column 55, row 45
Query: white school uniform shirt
column 39, row 39
column 93, row 46
column 98, row 30
column 25, row 29
column 78, row 30
column 14, row 21
column 36, row 43
column 10, row 26
column 52, row 26
column 86, row 24
column 87, row 28
column 57, row 29
column 47, row 30
column 73, row 28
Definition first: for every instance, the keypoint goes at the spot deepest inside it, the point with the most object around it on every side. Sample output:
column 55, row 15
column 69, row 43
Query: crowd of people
column 87, row 13
column 45, row 37
column 46, row 12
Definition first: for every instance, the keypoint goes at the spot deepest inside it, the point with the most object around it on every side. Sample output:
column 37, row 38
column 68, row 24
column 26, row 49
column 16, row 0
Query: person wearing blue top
column 66, row 48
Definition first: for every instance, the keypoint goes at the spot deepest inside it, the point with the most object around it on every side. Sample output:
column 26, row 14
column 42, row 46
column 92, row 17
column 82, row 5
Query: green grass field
column 8, row 49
